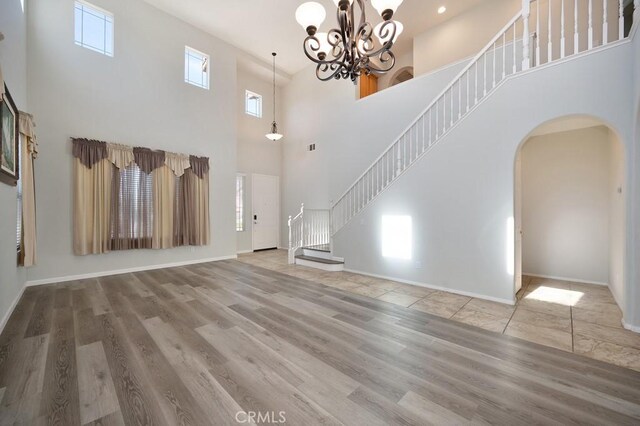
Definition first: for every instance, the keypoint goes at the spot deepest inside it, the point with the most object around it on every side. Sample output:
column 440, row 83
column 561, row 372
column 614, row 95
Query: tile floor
column 574, row 317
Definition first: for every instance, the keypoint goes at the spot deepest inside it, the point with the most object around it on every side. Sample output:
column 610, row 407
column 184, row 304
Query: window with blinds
column 132, row 212
column 240, row 203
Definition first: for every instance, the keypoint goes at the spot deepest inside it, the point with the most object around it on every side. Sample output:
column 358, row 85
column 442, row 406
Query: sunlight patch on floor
column 555, row 295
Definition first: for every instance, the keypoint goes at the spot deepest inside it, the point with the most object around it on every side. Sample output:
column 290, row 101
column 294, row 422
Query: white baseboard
column 6, row 317
column 245, row 251
column 435, row 287
column 125, row 271
column 634, row 328
column 575, row 280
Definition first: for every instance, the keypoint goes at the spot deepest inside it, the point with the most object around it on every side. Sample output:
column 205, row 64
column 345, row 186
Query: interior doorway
column 265, row 196
column 569, row 205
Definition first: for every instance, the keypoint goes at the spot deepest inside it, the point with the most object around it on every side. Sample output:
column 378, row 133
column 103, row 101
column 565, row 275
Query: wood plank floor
column 214, row 343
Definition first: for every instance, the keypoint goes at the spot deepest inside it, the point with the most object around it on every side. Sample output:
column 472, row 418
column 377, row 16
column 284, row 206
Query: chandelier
column 350, row 50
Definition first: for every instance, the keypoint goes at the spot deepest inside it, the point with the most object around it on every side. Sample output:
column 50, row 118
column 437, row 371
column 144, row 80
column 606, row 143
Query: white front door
column 266, row 211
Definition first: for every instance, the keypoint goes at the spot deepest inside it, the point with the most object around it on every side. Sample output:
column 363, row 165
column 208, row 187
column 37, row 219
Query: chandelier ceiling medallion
column 350, row 50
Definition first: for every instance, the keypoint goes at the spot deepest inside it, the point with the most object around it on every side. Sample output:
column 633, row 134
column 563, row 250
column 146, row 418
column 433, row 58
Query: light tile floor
column 574, row 317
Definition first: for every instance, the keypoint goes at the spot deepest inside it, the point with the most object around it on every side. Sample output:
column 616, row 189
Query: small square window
column 253, row 104
column 93, row 28
column 196, row 68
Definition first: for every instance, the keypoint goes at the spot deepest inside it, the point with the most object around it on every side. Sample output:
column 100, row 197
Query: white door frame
column 253, row 176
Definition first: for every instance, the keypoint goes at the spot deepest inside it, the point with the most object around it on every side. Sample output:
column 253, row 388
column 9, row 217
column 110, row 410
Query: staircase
column 310, row 240
column 541, row 33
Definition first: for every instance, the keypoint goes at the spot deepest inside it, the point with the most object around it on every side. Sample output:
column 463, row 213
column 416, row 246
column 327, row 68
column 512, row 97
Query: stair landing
column 319, row 262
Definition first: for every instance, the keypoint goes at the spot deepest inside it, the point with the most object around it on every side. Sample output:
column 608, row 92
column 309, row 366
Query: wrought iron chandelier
column 350, row 50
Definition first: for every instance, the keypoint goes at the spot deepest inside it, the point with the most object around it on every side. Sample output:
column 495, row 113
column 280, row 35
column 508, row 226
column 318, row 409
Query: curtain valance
column 89, row 152
column 27, row 127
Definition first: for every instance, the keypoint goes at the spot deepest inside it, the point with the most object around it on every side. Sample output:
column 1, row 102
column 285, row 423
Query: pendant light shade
column 273, row 135
column 310, row 16
column 386, row 8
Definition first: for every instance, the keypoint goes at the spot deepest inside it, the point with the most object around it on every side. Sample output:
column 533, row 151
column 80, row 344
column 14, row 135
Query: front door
column 266, row 211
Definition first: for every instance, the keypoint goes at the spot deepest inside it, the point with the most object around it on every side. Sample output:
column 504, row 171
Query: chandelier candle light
column 347, row 52
column 274, row 135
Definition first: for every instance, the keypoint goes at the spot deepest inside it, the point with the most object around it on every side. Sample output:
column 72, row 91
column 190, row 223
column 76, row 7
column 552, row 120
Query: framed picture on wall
column 8, row 140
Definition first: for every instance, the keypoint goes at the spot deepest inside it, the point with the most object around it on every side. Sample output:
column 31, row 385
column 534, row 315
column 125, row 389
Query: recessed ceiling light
column 441, row 10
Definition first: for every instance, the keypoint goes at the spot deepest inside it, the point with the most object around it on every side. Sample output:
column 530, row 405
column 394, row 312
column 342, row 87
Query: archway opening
column 569, row 213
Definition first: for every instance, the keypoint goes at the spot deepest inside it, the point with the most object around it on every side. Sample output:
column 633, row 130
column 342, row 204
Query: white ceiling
column 260, row 27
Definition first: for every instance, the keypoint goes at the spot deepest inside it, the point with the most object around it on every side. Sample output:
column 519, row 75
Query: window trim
column 247, row 95
column 241, row 212
column 107, row 14
column 187, row 50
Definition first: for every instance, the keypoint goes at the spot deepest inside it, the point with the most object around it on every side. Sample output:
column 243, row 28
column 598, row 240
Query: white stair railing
column 310, row 227
column 514, row 49
column 296, row 234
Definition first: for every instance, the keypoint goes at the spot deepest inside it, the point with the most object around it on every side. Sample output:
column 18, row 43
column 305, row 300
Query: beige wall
column 462, row 36
column 465, row 35
column 571, row 212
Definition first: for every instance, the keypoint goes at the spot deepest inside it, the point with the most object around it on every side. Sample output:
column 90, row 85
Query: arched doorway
column 402, row 75
column 570, row 206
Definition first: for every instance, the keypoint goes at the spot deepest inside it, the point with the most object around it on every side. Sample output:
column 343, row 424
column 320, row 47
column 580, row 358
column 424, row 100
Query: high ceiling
column 260, row 27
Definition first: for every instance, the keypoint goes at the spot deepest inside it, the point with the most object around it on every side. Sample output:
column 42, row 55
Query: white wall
column 566, row 205
column 256, row 154
column 618, row 193
column 349, row 134
column 13, row 60
column 138, row 97
column 461, row 195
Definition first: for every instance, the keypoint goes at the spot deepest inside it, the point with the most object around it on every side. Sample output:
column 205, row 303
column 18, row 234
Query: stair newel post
column 302, row 225
column 526, row 50
column 605, row 22
column 290, row 240
column 620, row 19
column 576, row 35
column 590, row 33
column 550, row 35
column 538, row 51
column 562, row 31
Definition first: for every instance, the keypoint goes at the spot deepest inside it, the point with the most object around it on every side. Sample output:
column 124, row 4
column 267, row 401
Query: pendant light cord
column 274, row 86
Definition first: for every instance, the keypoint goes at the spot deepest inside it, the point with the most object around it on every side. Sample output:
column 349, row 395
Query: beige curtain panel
column 136, row 198
column 29, row 152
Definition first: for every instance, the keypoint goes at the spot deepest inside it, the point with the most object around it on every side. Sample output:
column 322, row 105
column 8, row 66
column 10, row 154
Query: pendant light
column 274, row 135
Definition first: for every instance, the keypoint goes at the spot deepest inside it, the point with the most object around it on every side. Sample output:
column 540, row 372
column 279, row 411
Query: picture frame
column 9, row 148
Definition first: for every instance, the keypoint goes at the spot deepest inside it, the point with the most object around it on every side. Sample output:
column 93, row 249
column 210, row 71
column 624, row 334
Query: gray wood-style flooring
column 197, row 345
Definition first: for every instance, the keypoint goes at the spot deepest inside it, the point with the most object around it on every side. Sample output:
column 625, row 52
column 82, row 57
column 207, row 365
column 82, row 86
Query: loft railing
column 541, row 33
column 308, row 228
